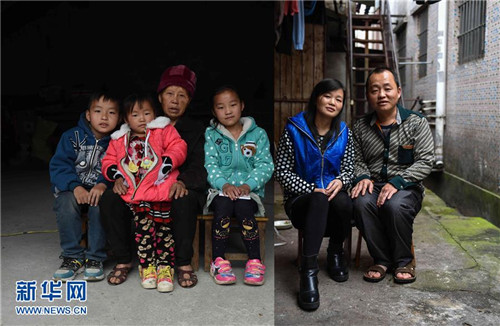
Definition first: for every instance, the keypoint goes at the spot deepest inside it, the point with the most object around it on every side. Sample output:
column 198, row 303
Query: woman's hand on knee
column 333, row 188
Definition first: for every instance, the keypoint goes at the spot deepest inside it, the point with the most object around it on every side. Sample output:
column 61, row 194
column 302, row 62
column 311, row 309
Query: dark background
column 56, row 53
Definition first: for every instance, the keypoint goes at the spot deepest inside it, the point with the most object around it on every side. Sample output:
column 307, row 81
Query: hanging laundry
column 314, row 12
column 291, row 7
column 299, row 27
column 279, row 13
column 285, row 41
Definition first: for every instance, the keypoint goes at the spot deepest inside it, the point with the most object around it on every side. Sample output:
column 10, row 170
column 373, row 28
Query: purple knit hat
column 179, row 75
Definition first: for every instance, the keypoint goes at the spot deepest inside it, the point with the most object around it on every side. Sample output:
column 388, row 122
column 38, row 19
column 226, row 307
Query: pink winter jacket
column 164, row 140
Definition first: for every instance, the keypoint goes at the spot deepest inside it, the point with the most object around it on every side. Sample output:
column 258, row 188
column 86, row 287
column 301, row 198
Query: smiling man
column 394, row 152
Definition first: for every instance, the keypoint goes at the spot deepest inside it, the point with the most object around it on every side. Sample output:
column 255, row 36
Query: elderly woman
column 314, row 165
column 175, row 91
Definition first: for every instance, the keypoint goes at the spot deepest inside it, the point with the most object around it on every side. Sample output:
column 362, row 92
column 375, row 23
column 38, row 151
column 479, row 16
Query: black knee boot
column 308, row 292
column 336, row 264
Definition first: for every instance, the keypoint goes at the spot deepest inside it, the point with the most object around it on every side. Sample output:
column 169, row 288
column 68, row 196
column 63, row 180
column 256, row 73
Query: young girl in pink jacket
column 142, row 159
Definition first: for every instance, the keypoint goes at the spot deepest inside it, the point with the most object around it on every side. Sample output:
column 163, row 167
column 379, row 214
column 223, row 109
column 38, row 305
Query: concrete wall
column 472, row 124
column 424, row 87
column 472, row 132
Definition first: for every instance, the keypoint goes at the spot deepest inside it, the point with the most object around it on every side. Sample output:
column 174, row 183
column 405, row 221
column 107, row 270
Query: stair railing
column 389, row 44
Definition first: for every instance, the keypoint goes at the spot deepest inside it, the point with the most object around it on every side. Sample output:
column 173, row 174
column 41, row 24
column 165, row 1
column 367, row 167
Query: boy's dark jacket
column 77, row 160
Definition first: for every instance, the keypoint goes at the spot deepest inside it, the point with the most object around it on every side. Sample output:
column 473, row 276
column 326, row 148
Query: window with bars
column 472, row 30
column 422, row 38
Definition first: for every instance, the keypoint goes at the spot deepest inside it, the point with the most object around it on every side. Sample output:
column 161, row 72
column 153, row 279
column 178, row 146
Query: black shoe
column 337, row 267
column 308, row 297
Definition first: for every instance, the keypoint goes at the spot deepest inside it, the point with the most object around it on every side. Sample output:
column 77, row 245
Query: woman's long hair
column 324, row 86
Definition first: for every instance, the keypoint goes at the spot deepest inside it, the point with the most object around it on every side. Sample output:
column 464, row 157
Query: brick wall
column 472, row 131
column 472, row 125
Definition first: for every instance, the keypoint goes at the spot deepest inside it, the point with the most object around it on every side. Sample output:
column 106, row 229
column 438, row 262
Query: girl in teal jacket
column 239, row 164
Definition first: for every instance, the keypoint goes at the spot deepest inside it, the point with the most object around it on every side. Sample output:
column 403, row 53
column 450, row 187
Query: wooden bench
column 207, row 221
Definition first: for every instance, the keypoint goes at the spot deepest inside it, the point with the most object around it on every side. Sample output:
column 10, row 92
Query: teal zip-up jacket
column 245, row 160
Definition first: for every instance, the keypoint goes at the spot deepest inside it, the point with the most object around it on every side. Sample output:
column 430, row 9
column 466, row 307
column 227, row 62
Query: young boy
column 77, row 182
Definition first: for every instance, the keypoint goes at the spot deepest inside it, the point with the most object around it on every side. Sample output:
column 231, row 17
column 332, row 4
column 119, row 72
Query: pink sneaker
column 221, row 271
column 254, row 272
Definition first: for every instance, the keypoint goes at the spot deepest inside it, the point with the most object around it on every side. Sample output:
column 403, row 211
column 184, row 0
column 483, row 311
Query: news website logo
column 51, row 291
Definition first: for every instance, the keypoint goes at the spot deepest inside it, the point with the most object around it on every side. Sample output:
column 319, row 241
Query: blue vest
column 310, row 164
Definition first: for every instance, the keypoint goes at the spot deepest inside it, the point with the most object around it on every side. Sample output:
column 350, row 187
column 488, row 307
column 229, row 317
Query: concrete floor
column 27, row 206
column 458, row 277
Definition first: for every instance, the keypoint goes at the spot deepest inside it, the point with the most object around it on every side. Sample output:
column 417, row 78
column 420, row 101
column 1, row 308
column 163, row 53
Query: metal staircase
column 370, row 44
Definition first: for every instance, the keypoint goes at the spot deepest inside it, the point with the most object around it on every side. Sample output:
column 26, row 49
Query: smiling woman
column 314, row 166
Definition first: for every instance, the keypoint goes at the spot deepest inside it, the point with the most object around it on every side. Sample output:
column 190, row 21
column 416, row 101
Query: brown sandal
column 375, row 268
column 181, row 278
column 122, row 277
column 409, row 269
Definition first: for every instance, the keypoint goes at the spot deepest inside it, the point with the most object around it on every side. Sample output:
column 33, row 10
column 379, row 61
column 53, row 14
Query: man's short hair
column 379, row 70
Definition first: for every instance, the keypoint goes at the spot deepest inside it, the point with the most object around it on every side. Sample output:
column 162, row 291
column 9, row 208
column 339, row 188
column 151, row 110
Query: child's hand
column 244, row 189
column 81, row 195
column 231, row 191
column 95, row 193
column 120, row 187
column 178, row 190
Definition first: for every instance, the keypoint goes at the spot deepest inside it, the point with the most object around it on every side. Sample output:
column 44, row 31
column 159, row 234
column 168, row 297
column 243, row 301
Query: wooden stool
column 348, row 247
column 195, row 261
column 207, row 220
column 358, row 250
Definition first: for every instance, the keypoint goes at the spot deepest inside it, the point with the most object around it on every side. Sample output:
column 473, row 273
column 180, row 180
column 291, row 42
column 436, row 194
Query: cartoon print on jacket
column 88, row 159
column 249, row 149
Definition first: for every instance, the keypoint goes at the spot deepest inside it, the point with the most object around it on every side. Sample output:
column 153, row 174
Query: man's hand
column 81, row 195
column 178, row 190
column 120, row 187
column 244, row 189
column 386, row 193
column 95, row 193
column 231, row 191
column 333, row 188
column 361, row 187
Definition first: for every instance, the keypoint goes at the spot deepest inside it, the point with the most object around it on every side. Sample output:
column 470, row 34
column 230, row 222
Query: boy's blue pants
column 69, row 223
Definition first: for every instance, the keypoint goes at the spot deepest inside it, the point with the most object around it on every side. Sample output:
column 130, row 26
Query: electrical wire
column 27, row 232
